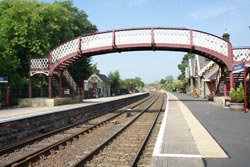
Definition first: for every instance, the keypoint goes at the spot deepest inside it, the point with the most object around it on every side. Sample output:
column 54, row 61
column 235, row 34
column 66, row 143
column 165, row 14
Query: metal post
column 30, row 87
column 231, row 80
column 211, row 85
column 245, row 89
column 204, row 89
column 225, row 81
column 41, row 86
column 83, row 89
column 60, row 83
column 50, row 86
column 7, row 94
column 214, row 86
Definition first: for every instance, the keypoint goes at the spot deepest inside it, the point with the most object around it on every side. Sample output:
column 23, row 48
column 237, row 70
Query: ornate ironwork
column 210, row 42
column 96, row 41
column 133, row 37
column 39, row 66
column 141, row 38
column 65, row 50
column 241, row 54
column 39, row 63
column 136, row 36
column 170, row 36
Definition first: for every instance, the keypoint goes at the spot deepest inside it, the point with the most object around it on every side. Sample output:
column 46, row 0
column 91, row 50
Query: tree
column 115, row 79
column 162, row 81
column 81, row 24
column 33, row 28
column 177, row 84
column 132, row 84
column 83, row 69
column 184, row 64
column 94, row 69
column 20, row 35
column 169, row 79
column 168, row 85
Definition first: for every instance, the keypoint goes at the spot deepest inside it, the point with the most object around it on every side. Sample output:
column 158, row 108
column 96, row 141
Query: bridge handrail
column 39, row 65
column 143, row 37
column 70, row 80
column 241, row 54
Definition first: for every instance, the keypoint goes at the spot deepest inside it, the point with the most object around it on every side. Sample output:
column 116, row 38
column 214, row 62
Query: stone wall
column 14, row 131
column 222, row 100
column 37, row 102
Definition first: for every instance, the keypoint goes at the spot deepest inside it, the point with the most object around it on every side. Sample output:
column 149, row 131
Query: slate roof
column 198, row 66
column 203, row 61
column 103, row 77
column 213, row 73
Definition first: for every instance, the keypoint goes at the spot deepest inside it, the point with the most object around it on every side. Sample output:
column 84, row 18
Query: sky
column 212, row 16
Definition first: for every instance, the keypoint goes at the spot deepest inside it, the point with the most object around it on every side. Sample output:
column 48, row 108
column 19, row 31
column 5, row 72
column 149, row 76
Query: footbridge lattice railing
column 176, row 39
column 113, row 41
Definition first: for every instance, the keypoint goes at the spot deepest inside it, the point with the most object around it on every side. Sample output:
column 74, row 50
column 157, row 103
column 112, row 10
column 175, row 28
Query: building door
column 94, row 88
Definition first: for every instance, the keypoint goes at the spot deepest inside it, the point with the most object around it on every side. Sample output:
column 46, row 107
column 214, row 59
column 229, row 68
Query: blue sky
column 213, row 16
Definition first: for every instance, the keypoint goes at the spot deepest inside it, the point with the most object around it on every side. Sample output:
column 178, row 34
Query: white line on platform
column 157, row 149
column 159, row 141
column 178, row 155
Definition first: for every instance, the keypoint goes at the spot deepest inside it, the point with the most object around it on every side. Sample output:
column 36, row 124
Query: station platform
column 198, row 133
column 194, row 132
column 26, row 112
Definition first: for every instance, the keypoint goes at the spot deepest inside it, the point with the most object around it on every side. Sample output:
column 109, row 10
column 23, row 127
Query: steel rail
column 81, row 162
column 12, row 148
column 144, row 142
column 19, row 145
column 46, row 151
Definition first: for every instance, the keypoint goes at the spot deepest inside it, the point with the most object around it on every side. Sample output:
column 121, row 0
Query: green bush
column 238, row 94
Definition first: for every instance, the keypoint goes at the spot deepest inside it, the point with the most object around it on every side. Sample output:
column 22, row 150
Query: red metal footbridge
column 204, row 44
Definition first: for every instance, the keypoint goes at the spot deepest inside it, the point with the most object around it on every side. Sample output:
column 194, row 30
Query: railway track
column 126, row 146
column 145, row 158
column 40, row 147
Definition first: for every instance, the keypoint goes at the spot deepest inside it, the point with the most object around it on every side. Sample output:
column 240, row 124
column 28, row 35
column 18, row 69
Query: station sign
column 238, row 68
column 66, row 91
column 3, row 79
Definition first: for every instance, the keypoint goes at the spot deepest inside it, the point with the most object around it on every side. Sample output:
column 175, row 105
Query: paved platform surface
column 194, row 132
column 199, row 133
column 182, row 140
column 25, row 112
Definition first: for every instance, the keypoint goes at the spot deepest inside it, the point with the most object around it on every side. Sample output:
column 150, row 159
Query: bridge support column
column 224, row 74
column 60, row 83
column 231, row 80
column 41, row 86
column 30, row 87
column 50, row 86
